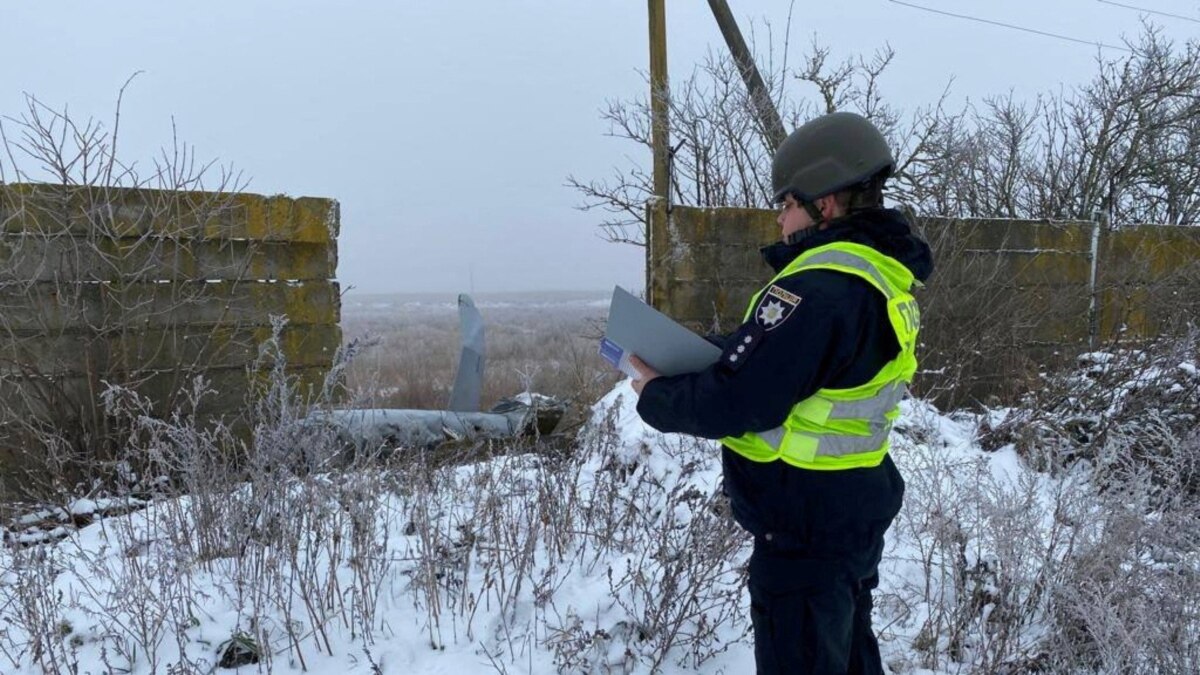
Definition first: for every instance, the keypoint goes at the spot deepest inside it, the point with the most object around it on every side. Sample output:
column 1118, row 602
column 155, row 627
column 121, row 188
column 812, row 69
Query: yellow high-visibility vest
column 845, row 428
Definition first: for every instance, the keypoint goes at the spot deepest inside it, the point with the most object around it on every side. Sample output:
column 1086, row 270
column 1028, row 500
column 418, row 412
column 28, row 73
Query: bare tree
column 1123, row 144
column 721, row 155
column 1126, row 143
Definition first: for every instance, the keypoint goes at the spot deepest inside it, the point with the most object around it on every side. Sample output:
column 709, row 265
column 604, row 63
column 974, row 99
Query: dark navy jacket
column 826, row 330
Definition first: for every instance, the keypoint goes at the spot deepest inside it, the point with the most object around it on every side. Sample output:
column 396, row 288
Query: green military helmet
column 828, row 154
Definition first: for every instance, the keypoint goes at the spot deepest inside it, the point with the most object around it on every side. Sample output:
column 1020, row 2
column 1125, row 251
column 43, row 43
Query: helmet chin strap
column 817, row 218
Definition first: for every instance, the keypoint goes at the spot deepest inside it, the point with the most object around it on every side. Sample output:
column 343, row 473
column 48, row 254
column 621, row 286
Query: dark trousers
column 818, row 539
column 812, row 616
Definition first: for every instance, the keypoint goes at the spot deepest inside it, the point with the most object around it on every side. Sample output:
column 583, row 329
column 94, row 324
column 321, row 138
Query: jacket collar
column 885, row 230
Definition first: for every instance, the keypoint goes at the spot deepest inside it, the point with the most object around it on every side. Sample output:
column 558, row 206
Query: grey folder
column 637, row 328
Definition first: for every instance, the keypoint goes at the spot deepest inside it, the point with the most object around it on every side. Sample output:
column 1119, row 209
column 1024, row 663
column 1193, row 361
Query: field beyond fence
column 544, row 342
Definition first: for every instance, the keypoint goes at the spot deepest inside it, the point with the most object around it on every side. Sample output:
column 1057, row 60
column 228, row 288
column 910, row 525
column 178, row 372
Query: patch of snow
column 42, row 516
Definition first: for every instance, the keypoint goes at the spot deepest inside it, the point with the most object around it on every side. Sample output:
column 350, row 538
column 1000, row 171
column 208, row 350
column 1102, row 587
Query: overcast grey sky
column 446, row 128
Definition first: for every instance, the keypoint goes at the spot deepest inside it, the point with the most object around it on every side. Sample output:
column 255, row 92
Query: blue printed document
column 635, row 328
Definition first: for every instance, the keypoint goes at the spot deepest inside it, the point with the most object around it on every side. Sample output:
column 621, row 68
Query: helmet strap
column 814, row 213
column 817, row 217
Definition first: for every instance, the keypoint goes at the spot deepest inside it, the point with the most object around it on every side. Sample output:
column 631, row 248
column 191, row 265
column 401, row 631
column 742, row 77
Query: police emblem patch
column 775, row 306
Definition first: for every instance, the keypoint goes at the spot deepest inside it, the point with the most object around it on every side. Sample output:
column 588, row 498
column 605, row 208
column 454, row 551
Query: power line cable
column 1035, row 31
column 1149, row 11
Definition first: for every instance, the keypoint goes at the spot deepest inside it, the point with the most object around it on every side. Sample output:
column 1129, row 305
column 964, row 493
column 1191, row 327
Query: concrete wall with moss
column 150, row 289
column 1008, row 299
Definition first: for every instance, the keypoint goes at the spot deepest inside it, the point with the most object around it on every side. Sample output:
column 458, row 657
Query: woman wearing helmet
column 804, row 396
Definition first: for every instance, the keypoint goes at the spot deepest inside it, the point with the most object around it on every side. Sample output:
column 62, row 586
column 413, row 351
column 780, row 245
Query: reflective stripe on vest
column 833, row 446
column 851, row 260
column 873, row 407
column 846, row 428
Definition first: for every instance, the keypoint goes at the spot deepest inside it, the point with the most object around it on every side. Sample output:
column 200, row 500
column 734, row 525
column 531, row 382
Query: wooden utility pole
column 658, row 207
column 764, row 108
column 658, row 99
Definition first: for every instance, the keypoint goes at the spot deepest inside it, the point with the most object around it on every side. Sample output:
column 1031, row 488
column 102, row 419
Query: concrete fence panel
column 1008, row 300
column 150, row 289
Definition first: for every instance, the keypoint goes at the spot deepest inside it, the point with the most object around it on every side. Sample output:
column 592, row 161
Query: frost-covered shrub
column 977, row 551
column 1129, row 600
column 1125, row 403
column 259, row 532
column 1124, row 595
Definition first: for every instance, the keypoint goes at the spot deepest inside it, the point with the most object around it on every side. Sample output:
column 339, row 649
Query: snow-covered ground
column 620, row 558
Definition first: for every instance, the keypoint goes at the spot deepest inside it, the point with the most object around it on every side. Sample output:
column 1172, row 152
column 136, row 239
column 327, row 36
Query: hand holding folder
column 665, row 346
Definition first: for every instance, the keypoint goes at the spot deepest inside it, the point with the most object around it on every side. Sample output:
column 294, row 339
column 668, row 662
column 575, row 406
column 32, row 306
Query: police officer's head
column 828, row 167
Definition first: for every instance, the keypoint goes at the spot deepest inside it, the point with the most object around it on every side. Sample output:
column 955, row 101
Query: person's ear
column 828, row 206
